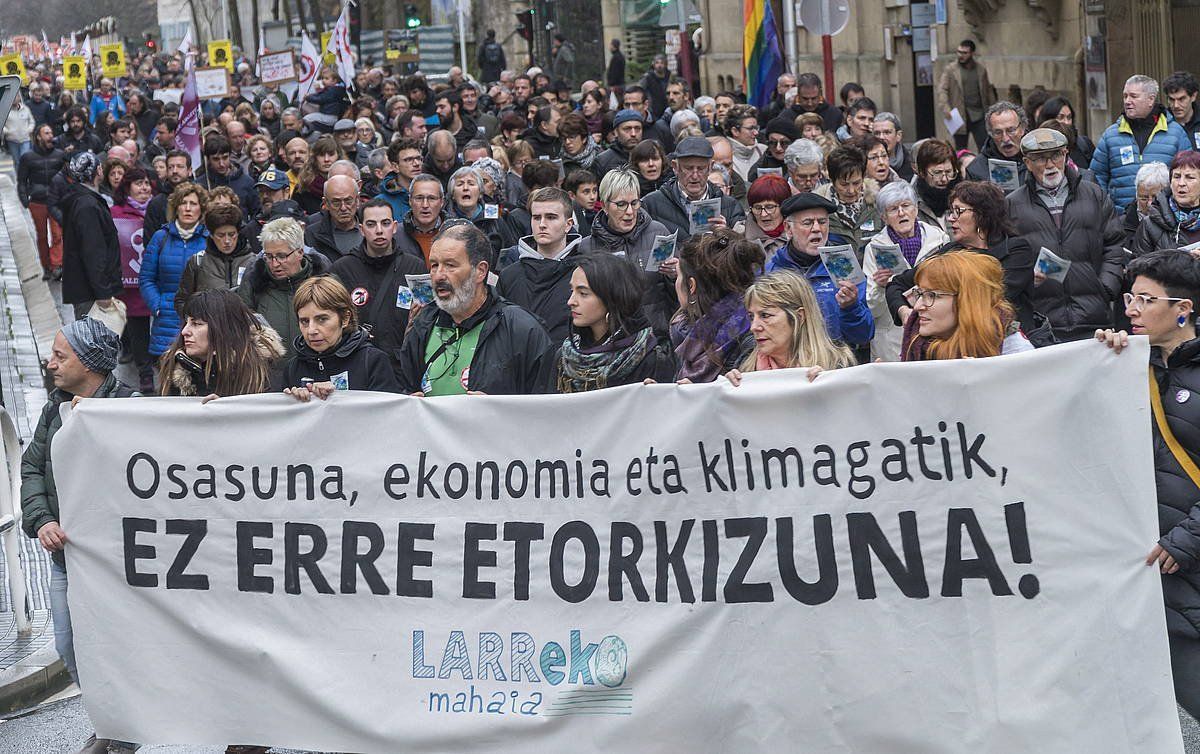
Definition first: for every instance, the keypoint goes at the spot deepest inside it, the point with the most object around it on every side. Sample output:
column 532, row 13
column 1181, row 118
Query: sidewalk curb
column 34, row 676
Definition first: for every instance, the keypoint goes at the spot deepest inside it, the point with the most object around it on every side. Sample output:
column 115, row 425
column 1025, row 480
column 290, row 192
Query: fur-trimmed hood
column 266, row 341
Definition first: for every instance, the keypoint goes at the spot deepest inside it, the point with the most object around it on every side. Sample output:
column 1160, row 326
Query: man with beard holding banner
column 472, row 341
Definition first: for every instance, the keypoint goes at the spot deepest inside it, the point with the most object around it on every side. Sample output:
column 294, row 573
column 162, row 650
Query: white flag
column 187, row 46
column 262, row 47
column 310, row 63
column 339, row 45
column 86, row 50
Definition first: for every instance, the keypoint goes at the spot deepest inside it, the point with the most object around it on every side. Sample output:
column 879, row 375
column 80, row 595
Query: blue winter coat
column 115, row 104
column 1117, row 159
column 162, row 268
column 395, row 195
column 855, row 325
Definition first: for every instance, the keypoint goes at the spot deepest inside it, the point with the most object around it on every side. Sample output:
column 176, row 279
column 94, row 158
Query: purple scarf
column 707, row 346
column 909, row 247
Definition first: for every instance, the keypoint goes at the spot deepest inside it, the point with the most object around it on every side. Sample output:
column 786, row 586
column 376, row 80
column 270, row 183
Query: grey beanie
column 95, row 345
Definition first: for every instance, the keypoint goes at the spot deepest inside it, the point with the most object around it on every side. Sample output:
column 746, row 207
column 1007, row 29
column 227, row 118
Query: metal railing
column 10, row 523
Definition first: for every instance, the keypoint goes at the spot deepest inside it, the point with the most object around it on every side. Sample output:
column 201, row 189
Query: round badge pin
column 1182, row 396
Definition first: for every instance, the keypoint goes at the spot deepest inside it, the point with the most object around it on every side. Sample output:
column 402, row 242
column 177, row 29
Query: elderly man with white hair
column 1152, row 178
column 805, row 165
column 1144, row 132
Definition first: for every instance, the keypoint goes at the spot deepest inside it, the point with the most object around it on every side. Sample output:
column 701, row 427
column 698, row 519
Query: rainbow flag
column 760, row 51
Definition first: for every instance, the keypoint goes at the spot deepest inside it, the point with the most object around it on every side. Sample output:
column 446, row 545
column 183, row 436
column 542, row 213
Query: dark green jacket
column 39, row 497
column 273, row 298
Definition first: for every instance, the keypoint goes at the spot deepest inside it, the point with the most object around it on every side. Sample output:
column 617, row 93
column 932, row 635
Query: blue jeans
column 16, row 149
column 61, row 614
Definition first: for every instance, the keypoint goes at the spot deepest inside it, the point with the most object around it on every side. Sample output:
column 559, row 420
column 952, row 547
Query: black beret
column 807, row 200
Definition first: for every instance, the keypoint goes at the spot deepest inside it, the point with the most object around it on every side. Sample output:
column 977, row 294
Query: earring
column 1182, row 321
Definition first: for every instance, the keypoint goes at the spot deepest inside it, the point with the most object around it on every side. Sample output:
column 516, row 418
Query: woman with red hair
column 766, row 225
column 959, row 310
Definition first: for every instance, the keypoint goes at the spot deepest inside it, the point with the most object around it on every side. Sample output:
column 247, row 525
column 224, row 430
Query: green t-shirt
column 449, row 352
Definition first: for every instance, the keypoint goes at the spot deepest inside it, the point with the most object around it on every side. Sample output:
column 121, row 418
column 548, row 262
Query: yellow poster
column 75, row 77
column 327, row 56
column 12, row 65
column 112, row 58
column 392, row 55
column 220, row 52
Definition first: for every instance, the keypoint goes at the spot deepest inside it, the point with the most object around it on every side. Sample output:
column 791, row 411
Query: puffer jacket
column 39, row 497
column 209, row 270
column 1117, row 157
column 1089, row 235
column 354, row 360
column 35, row 172
column 1178, row 381
column 668, row 206
column 634, row 245
column 18, row 128
column 273, row 298
column 162, row 268
column 853, row 325
column 1159, row 229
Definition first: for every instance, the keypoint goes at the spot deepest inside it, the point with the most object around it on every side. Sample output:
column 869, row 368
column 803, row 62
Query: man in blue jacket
column 1144, row 132
column 843, row 305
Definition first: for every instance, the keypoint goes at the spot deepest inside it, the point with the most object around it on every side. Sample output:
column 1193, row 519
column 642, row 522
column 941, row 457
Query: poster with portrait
column 112, row 60
column 220, row 52
column 13, row 65
column 75, row 73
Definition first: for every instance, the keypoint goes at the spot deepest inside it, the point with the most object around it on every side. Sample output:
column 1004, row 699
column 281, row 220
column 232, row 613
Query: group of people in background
column 505, row 235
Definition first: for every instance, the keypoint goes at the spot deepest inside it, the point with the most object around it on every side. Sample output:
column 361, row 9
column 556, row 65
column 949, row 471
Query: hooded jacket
column 1089, row 235
column 39, row 495
column 669, row 207
column 542, row 286
column 36, row 170
column 209, row 269
column 378, row 308
column 978, row 170
column 266, row 342
column 512, row 355
column 91, row 249
column 273, row 298
column 162, row 268
column 1118, row 156
column 396, row 195
column 354, row 359
column 238, row 180
column 544, row 145
column 1178, row 516
column 1159, row 230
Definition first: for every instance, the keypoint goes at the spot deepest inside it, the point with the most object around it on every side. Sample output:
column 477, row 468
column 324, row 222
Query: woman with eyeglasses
column 903, row 233
column 766, row 225
column 1173, row 220
column 166, row 256
column 1161, row 305
column 937, row 175
column 622, row 226
column 879, row 162
column 979, row 222
column 959, row 311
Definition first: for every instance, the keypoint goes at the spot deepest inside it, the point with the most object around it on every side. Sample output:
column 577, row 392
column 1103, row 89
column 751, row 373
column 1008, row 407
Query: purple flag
column 187, row 136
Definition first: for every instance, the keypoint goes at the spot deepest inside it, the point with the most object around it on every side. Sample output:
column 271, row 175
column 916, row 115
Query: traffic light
column 412, row 19
column 525, row 24
column 151, row 45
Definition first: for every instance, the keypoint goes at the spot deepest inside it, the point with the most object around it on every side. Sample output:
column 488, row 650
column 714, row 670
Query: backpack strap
column 1160, row 418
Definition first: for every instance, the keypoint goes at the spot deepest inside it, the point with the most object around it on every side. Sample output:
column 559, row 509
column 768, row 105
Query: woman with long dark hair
column 222, row 350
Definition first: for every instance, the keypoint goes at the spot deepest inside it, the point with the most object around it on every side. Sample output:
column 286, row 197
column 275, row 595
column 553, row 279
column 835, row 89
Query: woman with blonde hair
column 959, row 310
column 788, row 329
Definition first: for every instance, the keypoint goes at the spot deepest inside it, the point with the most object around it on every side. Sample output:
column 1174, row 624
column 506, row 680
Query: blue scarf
column 1188, row 219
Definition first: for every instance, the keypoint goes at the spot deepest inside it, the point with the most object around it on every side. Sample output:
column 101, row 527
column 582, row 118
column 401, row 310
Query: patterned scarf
column 848, row 212
column 707, row 344
column 581, row 369
column 1188, row 219
column 909, row 247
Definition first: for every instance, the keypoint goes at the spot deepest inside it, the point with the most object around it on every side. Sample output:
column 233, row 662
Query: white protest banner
column 893, row 558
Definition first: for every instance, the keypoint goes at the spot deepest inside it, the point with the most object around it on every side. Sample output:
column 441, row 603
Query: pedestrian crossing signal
column 412, row 18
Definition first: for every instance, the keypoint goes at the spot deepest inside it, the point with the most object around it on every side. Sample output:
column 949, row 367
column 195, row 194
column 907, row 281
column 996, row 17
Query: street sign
column 825, row 17
column 9, row 86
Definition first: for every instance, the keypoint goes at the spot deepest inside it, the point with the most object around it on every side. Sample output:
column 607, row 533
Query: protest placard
column 647, row 568
column 212, row 82
column 277, row 67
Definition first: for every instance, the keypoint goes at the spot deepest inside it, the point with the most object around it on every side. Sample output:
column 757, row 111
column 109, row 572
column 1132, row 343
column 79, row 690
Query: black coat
column 978, row 170
column 91, row 251
column 542, row 286
column 156, row 211
column 610, row 159
column 1160, row 230
column 1178, row 514
column 667, row 206
column 511, row 357
column 88, row 141
column 364, row 365
column 1016, row 259
column 318, row 234
column 1090, row 237
column 35, row 173
column 364, row 276
column 615, row 75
